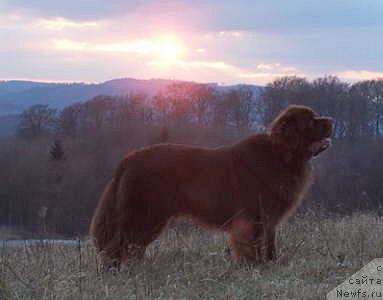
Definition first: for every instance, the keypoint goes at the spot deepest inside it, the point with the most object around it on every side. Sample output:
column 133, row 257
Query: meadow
column 316, row 252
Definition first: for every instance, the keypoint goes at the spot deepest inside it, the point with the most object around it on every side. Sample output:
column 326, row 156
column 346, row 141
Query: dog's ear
column 285, row 133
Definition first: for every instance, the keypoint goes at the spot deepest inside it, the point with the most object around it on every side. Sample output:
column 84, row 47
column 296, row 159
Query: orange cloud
column 191, row 64
column 230, row 72
column 62, row 23
column 229, row 33
column 65, row 44
column 360, row 75
column 165, row 47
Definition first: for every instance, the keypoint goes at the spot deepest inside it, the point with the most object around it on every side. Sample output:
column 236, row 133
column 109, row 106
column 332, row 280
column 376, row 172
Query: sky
column 219, row 41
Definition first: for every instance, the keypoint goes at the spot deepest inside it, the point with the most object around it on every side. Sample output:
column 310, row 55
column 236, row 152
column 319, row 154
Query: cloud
column 231, row 73
column 65, row 44
column 293, row 15
column 164, row 46
column 70, row 9
column 62, row 23
column 355, row 75
column 144, row 15
column 249, row 41
column 268, row 66
column 212, row 15
column 218, row 65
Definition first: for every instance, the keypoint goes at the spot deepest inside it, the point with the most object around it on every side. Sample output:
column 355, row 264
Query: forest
column 54, row 168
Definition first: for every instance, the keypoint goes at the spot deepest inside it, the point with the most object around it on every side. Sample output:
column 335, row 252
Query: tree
column 240, row 104
column 201, row 97
column 37, row 121
column 70, row 120
column 329, row 97
column 162, row 109
column 357, row 114
column 56, row 151
column 278, row 94
column 371, row 93
column 178, row 96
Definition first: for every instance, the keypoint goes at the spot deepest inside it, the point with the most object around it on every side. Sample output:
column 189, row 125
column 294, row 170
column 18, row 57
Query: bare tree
column 36, row 121
column 329, row 97
column 371, row 93
column 282, row 92
column 70, row 119
column 240, row 104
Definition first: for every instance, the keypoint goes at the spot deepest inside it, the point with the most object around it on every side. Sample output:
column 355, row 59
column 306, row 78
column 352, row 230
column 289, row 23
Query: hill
column 15, row 96
column 8, row 125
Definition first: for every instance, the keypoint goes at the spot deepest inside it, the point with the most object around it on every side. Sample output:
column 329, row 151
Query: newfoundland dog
column 246, row 189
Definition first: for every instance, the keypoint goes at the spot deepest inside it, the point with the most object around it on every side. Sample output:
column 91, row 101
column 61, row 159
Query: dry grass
column 317, row 253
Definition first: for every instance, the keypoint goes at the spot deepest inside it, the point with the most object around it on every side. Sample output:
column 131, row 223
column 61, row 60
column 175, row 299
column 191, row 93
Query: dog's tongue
column 318, row 147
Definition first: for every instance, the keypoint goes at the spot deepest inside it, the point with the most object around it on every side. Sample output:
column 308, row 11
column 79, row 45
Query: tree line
column 59, row 161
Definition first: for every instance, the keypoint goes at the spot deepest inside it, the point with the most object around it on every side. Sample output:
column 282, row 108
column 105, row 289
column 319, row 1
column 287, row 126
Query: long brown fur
column 246, row 189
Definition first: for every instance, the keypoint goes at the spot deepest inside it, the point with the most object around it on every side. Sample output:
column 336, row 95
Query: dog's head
column 302, row 131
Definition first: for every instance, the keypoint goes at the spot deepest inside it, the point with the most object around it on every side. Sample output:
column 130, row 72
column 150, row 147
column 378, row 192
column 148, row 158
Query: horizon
column 112, row 79
column 48, row 81
column 251, row 42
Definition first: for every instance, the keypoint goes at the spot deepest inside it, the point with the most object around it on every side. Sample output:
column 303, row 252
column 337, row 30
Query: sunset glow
column 167, row 47
column 207, row 41
column 62, row 23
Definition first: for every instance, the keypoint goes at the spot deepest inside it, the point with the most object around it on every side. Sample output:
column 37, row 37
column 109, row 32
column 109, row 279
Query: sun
column 168, row 47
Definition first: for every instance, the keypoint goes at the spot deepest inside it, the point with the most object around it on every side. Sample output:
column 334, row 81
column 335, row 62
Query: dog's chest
column 272, row 186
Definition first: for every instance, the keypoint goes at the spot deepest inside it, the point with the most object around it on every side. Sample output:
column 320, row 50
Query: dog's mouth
column 325, row 131
column 320, row 146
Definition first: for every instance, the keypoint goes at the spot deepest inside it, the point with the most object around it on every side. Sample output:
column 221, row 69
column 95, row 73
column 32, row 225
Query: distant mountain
column 8, row 125
column 256, row 89
column 16, row 96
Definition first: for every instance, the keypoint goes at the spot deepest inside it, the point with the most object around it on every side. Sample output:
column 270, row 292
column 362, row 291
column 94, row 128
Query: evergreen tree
column 56, row 151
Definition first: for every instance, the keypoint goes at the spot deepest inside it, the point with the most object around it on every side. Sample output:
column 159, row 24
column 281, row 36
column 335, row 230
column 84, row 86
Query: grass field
column 317, row 253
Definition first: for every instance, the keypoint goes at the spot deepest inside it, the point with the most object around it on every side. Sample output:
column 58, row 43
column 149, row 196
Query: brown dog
column 246, row 189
